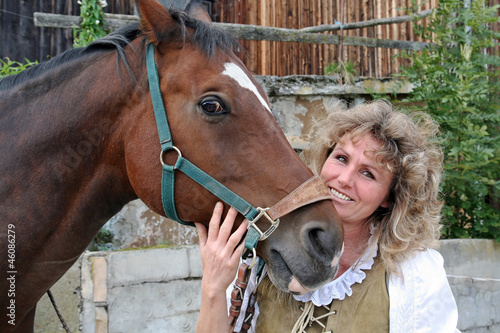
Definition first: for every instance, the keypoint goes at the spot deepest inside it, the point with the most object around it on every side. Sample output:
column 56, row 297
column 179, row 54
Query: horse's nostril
column 321, row 245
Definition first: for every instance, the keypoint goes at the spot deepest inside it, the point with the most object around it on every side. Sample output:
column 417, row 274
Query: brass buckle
column 268, row 232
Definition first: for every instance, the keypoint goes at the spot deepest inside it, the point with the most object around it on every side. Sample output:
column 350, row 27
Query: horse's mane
column 206, row 36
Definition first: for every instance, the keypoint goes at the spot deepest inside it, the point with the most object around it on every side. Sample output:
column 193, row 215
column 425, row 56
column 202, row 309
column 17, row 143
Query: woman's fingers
column 236, row 241
column 237, row 235
column 213, row 227
column 220, row 248
column 219, row 237
column 227, row 225
column 202, row 233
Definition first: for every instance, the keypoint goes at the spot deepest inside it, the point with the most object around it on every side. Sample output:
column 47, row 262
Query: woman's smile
column 358, row 183
column 337, row 194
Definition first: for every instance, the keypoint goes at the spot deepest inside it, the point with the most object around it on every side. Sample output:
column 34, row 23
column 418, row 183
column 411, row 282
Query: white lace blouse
column 420, row 302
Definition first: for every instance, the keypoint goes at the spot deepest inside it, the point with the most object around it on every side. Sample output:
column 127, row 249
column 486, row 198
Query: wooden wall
column 279, row 58
column 20, row 39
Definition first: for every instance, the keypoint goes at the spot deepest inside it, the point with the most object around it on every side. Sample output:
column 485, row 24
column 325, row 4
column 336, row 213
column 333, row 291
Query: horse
column 79, row 140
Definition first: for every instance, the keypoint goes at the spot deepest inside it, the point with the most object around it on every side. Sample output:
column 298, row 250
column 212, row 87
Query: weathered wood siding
column 20, row 39
column 278, row 58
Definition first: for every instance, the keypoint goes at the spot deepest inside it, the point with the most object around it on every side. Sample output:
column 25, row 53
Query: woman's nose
column 345, row 178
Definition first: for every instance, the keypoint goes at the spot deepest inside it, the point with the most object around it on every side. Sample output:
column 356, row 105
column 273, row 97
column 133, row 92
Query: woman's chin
column 296, row 288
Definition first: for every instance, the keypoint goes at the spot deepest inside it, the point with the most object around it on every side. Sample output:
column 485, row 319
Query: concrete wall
column 153, row 290
column 158, row 290
column 473, row 269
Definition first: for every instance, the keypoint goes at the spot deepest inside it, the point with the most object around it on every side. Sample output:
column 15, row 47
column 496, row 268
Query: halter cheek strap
column 311, row 191
column 182, row 164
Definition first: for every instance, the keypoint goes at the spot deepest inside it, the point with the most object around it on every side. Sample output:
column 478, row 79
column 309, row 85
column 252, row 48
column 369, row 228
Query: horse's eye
column 212, row 106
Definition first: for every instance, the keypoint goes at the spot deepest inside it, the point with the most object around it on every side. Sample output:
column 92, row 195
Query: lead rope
column 250, row 312
column 238, row 294
column 52, row 300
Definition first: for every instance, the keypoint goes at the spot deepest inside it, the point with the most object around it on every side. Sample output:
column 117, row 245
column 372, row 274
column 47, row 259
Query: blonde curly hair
column 411, row 152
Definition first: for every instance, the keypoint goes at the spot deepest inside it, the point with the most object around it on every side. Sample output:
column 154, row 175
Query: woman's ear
column 386, row 204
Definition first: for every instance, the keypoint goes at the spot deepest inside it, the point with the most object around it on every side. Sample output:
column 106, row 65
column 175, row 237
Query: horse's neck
column 95, row 136
column 64, row 150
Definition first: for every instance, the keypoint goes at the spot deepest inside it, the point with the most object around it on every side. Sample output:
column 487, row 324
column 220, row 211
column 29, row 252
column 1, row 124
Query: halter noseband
column 311, row 191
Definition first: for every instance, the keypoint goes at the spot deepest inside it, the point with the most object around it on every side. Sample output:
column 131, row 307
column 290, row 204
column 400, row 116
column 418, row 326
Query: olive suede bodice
column 367, row 310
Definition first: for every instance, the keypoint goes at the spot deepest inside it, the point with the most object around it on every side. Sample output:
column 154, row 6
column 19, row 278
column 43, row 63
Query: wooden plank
column 251, row 46
column 312, row 49
column 250, row 32
column 368, row 23
column 113, row 21
column 45, row 33
column 332, row 49
column 371, row 69
column 274, row 20
column 10, row 18
column 309, row 60
column 26, row 29
column 240, row 31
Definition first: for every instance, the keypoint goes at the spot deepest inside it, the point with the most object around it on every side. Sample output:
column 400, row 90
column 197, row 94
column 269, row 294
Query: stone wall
column 158, row 290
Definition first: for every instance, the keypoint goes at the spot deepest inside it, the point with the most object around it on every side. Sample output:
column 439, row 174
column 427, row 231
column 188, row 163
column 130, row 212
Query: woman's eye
column 368, row 174
column 212, row 106
column 342, row 159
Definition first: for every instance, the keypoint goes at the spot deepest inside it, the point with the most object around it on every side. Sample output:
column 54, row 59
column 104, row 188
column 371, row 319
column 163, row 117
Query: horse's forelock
column 205, row 35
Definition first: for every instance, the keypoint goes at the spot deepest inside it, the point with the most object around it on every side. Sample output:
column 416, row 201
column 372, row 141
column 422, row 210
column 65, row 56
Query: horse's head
column 220, row 119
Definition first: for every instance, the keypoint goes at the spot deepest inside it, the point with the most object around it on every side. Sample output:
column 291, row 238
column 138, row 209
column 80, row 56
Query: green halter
column 168, row 171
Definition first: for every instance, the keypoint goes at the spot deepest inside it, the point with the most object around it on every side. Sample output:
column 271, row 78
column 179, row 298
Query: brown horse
column 78, row 140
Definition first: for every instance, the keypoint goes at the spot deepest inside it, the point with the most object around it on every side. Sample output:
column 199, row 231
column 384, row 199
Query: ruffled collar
column 340, row 287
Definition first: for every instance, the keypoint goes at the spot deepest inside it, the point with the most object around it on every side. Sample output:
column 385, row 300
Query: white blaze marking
column 236, row 73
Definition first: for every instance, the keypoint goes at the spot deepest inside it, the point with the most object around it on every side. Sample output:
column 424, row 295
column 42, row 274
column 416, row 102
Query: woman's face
column 358, row 184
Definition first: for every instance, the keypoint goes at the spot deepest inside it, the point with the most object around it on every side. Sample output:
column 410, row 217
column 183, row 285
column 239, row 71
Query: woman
column 383, row 170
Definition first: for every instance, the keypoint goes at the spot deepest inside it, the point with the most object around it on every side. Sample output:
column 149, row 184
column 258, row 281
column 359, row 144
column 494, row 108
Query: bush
column 92, row 26
column 9, row 67
column 456, row 81
column 345, row 71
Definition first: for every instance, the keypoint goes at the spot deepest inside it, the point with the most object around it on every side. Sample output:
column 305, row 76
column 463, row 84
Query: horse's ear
column 195, row 9
column 155, row 18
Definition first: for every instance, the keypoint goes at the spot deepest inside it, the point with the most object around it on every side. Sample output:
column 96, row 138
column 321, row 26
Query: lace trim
column 340, row 287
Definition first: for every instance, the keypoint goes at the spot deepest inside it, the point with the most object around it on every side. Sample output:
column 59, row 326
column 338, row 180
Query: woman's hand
column 220, row 252
column 220, row 256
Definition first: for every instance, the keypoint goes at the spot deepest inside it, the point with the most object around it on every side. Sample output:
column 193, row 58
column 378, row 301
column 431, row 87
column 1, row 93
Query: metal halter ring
column 268, row 232
column 254, row 256
column 163, row 151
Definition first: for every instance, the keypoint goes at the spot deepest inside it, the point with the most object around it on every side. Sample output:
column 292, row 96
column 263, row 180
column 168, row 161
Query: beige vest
column 367, row 310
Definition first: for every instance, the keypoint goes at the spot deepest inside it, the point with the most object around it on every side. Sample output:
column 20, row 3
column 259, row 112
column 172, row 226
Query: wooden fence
column 20, row 39
column 285, row 58
column 270, row 56
column 276, row 58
